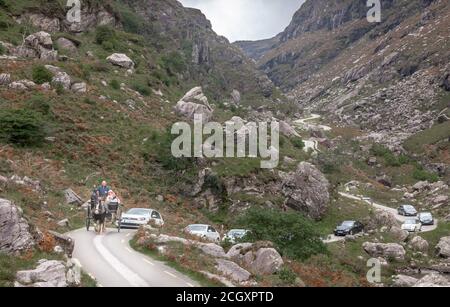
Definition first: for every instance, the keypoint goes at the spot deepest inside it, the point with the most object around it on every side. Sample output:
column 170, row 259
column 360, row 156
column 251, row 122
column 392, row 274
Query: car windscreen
column 237, row 233
column 138, row 212
column 348, row 224
column 197, row 228
column 410, row 222
column 409, row 208
column 425, row 215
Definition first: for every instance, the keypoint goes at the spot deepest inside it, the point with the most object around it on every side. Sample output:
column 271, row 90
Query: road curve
column 332, row 238
column 113, row 263
column 393, row 211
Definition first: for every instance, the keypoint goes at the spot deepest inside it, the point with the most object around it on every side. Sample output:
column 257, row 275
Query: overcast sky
column 247, row 19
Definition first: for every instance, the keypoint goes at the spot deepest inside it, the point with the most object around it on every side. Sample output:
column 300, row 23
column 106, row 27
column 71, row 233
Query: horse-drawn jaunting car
column 101, row 214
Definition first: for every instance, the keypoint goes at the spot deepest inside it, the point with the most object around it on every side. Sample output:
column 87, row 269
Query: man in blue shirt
column 103, row 190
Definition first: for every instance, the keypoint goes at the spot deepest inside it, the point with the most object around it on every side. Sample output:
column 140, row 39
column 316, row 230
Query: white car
column 206, row 232
column 235, row 234
column 137, row 217
column 412, row 225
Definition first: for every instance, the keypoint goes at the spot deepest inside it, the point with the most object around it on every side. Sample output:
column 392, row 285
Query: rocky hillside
column 390, row 78
column 196, row 52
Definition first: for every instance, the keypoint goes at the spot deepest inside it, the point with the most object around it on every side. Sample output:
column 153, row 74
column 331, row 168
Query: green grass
column 197, row 276
column 418, row 142
column 433, row 237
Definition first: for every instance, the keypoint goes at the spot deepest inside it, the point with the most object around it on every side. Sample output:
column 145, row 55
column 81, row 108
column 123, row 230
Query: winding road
column 400, row 218
column 111, row 261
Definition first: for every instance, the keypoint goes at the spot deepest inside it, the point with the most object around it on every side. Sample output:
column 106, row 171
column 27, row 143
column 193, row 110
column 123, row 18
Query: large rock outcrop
column 306, row 190
column 194, row 102
column 15, row 236
column 121, row 60
column 37, row 45
column 387, row 251
column 265, row 261
column 443, row 247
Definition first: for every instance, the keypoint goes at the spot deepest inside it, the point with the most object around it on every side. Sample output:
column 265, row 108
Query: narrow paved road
column 113, row 263
column 393, row 211
column 400, row 218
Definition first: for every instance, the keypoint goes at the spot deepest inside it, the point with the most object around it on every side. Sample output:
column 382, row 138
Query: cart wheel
column 118, row 226
column 88, row 218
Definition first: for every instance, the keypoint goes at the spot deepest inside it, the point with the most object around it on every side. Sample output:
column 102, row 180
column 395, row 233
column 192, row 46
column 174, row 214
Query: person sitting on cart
column 102, row 191
column 112, row 198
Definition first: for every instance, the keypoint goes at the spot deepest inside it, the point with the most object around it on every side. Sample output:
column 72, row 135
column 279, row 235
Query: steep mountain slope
column 182, row 34
column 384, row 77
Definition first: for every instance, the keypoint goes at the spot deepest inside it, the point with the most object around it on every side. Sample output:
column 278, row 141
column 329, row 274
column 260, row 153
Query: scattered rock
column 419, row 244
column 64, row 223
column 65, row 242
column 5, row 79
column 404, row 281
column 421, row 186
column 80, row 87
column 389, row 250
column 120, row 59
column 399, row 234
column 67, row 44
column 73, row 275
column 443, row 247
column 432, row 280
column 63, row 79
column 72, row 198
column 239, row 250
column 441, row 199
column 212, row 250
column 232, row 270
column 49, row 273
column 194, row 102
column 236, row 96
column 266, row 261
column 287, row 130
column 15, row 236
column 306, row 190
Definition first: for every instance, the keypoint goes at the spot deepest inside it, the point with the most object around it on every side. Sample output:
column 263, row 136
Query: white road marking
column 190, row 285
column 128, row 235
column 168, row 273
column 149, row 262
column 132, row 278
column 128, row 250
column 91, row 276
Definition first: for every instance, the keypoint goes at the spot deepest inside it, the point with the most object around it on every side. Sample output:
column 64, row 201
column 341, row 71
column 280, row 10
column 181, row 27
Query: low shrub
column 41, row 75
column 21, row 127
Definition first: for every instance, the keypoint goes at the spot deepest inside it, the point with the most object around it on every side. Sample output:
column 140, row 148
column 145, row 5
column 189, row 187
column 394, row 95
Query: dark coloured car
column 426, row 218
column 348, row 228
column 407, row 210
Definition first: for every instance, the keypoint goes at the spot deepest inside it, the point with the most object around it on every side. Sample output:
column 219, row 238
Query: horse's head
column 98, row 208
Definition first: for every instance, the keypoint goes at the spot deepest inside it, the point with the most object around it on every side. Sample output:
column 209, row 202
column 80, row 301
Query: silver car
column 412, row 225
column 235, row 234
column 137, row 217
column 206, row 232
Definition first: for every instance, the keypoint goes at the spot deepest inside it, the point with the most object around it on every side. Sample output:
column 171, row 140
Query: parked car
column 235, row 234
column 412, row 225
column 426, row 218
column 206, row 232
column 349, row 228
column 137, row 217
column 407, row 210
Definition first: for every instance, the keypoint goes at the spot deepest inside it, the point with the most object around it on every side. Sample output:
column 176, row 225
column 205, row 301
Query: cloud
column 247, row 19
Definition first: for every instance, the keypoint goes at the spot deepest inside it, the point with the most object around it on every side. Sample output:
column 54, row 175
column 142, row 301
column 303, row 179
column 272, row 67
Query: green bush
column 293, row 234
column 142, row 89
column 114, row 84
column 104, row 34
column 40, row 104
column 2, row 49
column 41, row 74
column 298, row 143
column 173, row 63
column 287, row 276
column 21, row 127
column 159, row 149
column 423, row 175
